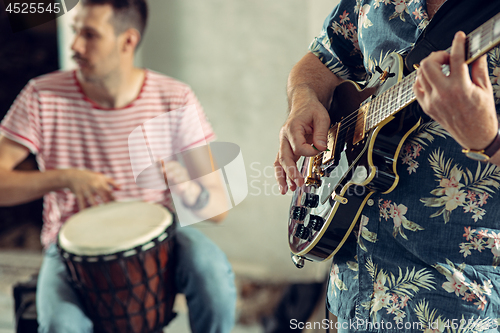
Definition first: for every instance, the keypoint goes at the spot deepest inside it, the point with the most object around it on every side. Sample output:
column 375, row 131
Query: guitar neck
column 401, row 95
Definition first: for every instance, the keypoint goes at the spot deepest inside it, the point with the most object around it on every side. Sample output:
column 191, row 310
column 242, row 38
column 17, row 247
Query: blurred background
column 236, row 55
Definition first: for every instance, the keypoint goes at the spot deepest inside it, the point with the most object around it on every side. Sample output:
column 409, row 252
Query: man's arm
column 217, row 197
column 463, row 104
column 199, row 166
column 17, row 187
column 310, row 89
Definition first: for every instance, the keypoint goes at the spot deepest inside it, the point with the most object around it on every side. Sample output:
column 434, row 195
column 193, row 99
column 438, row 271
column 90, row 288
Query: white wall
column 236, row 55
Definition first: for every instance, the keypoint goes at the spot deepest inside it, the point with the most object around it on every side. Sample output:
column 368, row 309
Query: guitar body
column 327, row 209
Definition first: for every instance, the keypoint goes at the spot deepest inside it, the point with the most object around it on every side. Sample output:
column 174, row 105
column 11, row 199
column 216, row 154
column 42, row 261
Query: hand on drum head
column 89, row 186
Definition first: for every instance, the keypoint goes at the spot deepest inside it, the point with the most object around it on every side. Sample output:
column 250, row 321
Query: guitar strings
column 405, row 91
column 373, row 113
column 487, row 36
column 486, row 29
column 389, row 101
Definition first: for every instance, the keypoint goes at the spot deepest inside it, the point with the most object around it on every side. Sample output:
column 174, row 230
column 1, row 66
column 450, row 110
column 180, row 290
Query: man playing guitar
column 430, row 261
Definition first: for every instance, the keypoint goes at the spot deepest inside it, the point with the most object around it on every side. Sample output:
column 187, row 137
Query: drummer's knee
column 203, row 265
column 212, row 296
column 196, row 252
column 67, row 319
column 205, row 276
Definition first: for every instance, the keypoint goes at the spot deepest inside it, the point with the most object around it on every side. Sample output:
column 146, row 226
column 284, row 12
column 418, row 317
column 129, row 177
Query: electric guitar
column 369, row 127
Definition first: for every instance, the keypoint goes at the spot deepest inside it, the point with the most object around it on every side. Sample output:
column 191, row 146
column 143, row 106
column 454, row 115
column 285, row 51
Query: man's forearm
column 310, row 90
column 310, row 78
column 217, row 200
column 18, row 187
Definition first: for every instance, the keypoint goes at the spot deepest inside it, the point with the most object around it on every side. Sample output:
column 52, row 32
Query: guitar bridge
column 311, row 181
column 314, row 172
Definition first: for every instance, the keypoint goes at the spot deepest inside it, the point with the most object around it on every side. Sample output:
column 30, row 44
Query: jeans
column 203, row 274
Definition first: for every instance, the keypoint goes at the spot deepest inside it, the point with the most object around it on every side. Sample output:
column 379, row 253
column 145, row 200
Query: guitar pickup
column 329, row 154
column 359, row 130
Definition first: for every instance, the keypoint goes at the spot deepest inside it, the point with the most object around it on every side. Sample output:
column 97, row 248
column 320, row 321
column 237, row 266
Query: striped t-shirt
column 64, row 129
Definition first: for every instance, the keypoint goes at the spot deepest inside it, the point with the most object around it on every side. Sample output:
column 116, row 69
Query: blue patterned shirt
column 428, row 252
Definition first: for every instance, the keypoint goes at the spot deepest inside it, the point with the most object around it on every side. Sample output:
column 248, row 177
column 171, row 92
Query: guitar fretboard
column 391, row 101
column 400, row 95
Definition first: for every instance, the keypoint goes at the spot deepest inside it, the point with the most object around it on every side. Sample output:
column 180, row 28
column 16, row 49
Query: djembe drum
column 120, row 260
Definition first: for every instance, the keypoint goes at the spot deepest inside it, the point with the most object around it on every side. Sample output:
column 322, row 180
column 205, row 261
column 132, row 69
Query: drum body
column 120, row 259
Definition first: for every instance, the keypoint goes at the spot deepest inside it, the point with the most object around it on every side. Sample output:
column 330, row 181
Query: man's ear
column 131, row 38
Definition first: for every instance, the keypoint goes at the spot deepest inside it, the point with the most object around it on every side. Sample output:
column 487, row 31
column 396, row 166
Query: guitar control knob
column 299, row 213
column 316, row 222
column 310, row 200
column 302, row 231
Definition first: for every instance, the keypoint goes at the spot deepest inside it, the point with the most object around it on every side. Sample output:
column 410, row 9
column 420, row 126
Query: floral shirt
column 428, row 252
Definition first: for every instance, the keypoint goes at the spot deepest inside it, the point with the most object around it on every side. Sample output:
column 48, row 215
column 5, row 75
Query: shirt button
column 370, row 202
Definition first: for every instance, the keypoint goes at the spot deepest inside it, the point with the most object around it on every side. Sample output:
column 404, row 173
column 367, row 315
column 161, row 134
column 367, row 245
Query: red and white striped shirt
column 64, row 129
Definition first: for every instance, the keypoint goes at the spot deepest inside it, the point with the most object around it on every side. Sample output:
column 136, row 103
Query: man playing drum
column 77, row 124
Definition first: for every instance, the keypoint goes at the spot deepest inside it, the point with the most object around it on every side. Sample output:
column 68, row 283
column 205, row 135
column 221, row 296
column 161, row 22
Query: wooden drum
column 120, row 260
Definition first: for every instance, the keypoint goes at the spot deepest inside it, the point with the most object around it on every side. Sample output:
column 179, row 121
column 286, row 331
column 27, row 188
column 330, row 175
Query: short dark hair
column 126, row 13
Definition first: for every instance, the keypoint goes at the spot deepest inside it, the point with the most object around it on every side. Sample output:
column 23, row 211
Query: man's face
column 95, row 46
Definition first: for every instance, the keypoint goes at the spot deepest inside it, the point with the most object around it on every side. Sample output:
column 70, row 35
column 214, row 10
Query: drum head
column 113, row 227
